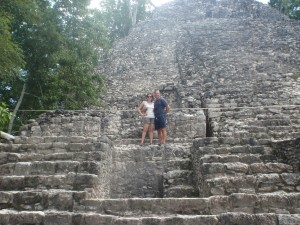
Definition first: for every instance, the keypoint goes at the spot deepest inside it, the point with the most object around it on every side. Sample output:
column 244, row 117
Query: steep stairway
column 217, row 181
column 259, row 122
column 178, row 177
column 227, row 165
column 270, row 209
column 49, row 173
column 152, row 171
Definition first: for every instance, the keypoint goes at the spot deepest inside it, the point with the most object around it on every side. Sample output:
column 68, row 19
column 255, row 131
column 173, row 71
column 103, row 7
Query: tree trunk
column 6, row 136
column 150, row 2
column 16, row 108
column 134, row 12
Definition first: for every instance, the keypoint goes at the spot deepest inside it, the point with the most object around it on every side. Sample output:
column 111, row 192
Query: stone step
column 52, row 199
column 59, row 139
column 181, row 191
column 134, row 152
column 137, row 153
column 238, row 149
column 137, row 141
column 178, row 177
column 69, row 181
column 227, row 142
column 237, row 168
column 12, row 217
column 283, row 135
column 229, row 158
column 176, row 151
column 271, row 122
column 49, row 168
column 178, row 164
column 138, row 171
column 257, row 183
column 55, row 147
column 262, row 117
column 65, row 139
column 280, row 202
column 6, row 157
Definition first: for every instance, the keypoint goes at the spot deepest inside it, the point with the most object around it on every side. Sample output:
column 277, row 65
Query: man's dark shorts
column 160, row 122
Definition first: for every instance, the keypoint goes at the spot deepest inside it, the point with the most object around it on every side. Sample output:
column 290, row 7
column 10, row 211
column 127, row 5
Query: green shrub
column 5, row 116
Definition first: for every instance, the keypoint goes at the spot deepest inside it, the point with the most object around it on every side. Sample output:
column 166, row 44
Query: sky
column 158, row 2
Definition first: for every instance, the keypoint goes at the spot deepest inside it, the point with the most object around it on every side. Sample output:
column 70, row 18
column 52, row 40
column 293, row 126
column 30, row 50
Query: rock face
column 229, row 69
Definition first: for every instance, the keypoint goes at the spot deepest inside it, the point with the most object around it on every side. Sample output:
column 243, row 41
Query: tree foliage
column 5, row 116
column 50, row 50
column 54, row 47
column 290, row 8
column 11, row 57
column 121, row 15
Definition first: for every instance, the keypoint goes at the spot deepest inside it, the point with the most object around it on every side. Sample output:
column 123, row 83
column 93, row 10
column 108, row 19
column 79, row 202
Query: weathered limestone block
column 10, row 217
column 238, row 218
column 8, row 183
column 75, row 147
column 5, row 199
column 244, row 201
column 211, row 168
column 291, row 178
column 219, row 204
column 237, row 167
column 268, row 179
column 59, row 146
column 288, row 219
column 58, row 218
column 274, row 203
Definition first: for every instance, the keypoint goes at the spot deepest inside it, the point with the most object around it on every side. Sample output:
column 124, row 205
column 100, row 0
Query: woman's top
column 150, row 109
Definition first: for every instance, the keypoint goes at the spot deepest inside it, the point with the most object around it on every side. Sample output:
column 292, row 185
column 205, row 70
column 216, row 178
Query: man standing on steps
column 161, row 108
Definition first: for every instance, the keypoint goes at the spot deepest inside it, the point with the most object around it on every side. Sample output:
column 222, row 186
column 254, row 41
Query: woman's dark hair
column 150, row 94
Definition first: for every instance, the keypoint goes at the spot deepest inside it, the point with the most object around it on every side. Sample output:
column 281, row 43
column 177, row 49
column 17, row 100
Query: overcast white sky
column 159, row 2
column 94, row 3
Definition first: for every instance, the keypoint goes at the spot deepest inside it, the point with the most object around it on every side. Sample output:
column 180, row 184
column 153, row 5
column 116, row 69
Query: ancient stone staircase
column 178, row 174
column 237, row 180
column 262, row 122
column 57, row 172
column 152, row 171
column 51, row 175
column 227, row 166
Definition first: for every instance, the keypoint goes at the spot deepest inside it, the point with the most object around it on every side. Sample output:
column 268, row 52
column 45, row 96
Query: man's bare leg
column 160, row 136
column 164, row 135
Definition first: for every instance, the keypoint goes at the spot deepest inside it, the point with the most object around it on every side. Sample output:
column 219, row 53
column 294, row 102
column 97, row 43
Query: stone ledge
column 281, row 203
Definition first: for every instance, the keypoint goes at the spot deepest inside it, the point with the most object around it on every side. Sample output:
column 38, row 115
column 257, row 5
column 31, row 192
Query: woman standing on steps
column 145, row 109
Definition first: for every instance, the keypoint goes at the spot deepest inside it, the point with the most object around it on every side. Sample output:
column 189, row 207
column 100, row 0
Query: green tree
column 61, row 41
column 290, row 8
column 11, row 57
column 121, row 15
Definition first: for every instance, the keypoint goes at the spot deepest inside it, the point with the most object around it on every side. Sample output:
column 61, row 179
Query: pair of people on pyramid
column 154, row 113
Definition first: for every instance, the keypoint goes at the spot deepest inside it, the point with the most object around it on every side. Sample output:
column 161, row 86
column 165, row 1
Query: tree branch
column 16, row 109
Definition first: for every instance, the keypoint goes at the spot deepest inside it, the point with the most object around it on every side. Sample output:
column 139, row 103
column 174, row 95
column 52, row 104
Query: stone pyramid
column 229, row 69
